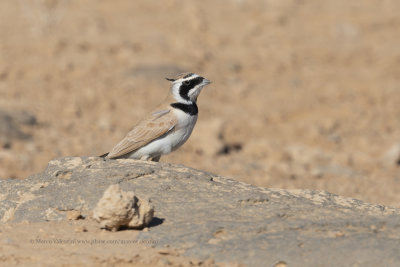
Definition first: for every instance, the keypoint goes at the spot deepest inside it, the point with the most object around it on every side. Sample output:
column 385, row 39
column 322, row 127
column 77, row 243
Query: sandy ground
column 305, row 94
column 82, row 243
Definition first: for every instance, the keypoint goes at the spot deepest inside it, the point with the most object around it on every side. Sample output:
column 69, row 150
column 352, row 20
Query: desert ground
column 305, row 94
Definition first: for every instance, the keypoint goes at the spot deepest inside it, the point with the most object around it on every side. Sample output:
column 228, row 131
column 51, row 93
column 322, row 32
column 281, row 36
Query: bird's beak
column 205, row 81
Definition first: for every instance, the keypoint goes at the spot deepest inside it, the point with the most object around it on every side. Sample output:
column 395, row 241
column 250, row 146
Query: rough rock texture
column 207, row 215
column 118, row 209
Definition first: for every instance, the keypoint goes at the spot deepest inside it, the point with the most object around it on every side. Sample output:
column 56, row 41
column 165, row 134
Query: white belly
column 170, row 142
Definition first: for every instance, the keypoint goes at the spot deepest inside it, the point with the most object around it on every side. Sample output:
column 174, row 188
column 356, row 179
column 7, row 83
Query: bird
column 168, row 126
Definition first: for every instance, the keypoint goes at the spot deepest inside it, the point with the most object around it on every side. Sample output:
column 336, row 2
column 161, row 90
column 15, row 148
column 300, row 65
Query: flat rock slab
column 210, row 216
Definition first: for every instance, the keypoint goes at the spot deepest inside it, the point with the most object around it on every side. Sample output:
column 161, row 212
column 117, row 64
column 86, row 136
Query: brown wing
column 155, row 125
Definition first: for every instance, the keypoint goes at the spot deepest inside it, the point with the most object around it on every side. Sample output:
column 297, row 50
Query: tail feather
column 104, row 155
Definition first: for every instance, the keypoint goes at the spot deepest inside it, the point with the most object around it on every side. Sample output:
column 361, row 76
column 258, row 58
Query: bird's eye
column 186, row 82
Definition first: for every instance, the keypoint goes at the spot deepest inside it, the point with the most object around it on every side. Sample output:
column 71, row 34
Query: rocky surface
column 205, row 215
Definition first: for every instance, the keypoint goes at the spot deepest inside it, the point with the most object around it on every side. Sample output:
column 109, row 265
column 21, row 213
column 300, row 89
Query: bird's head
column 186, row 87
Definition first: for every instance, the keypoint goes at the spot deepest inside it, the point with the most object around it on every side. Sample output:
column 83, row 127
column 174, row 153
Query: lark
column 167, row 127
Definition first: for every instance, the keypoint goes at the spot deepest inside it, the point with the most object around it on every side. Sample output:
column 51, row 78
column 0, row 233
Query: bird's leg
column 156, row 158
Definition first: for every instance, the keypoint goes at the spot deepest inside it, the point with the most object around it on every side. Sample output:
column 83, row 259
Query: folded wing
column 152, row 127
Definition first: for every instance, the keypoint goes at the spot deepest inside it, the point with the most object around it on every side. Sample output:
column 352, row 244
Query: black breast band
column 190, row 109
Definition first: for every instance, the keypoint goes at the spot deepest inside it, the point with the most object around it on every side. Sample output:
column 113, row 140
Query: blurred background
column 305, row 93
